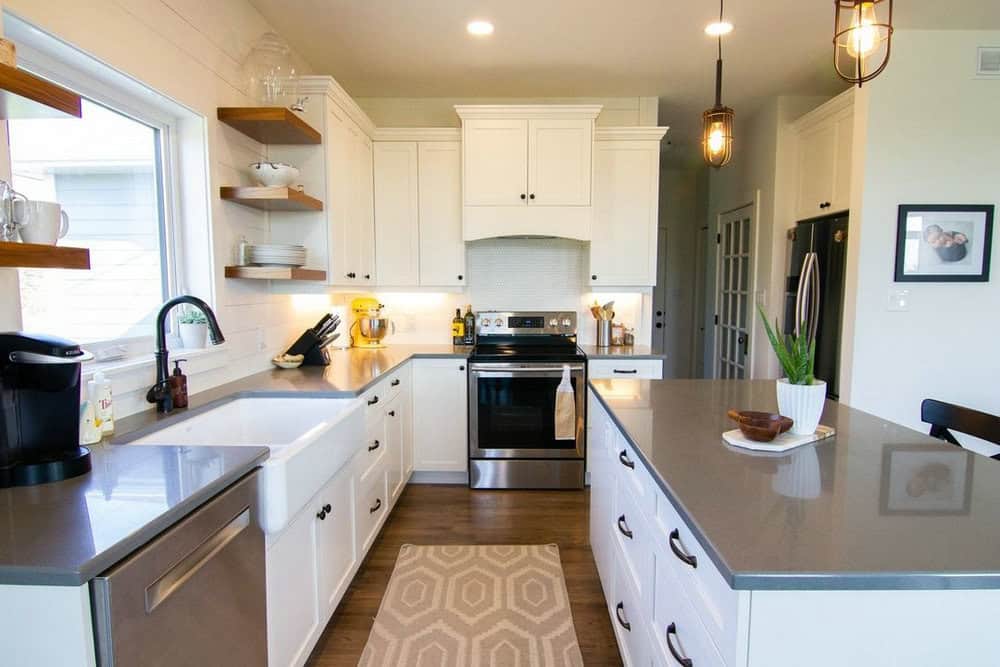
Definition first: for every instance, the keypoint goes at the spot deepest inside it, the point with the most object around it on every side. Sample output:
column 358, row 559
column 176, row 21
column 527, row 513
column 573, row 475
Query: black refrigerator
column 814, row 290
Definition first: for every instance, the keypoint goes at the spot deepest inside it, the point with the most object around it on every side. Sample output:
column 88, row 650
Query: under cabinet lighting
column 718, row 28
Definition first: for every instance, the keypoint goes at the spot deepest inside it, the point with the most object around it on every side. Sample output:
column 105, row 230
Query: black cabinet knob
column 461, row 368
column 593, row 277
column 321, row 515
column 327, row 508
column 523, row 196
column 352, row 275
column 531, row 196
column 659, row 325
column 659, row 313
column 392, row 413
column 368, row 276
column 460, row 276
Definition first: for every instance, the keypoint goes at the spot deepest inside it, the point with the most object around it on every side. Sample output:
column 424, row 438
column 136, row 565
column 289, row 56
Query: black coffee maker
column 40, row 410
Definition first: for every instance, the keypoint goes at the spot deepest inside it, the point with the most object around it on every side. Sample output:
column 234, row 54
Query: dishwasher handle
column 178, row 575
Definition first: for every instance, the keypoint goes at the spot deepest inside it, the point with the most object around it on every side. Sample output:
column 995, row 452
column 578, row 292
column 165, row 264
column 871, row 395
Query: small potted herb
column 193, row 329
column 800, row 394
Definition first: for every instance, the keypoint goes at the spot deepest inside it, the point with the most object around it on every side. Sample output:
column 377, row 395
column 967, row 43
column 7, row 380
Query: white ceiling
column 565, row 48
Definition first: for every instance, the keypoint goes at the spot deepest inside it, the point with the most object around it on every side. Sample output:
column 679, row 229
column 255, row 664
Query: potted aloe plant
column 800, row 394
column 193, row 329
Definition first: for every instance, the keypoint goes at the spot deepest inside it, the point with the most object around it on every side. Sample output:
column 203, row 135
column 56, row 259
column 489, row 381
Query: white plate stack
column 277, row 254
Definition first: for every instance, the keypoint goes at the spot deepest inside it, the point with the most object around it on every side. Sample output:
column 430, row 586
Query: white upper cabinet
column 527, row 170
column 559, row 162
column 442, row 250
column 626, row 206
column 396, row 228
column 418, row 208
column 822, row 159
column 361, row 218
column 496, row 162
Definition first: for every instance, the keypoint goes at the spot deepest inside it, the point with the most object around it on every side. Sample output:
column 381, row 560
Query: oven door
column 512, row 411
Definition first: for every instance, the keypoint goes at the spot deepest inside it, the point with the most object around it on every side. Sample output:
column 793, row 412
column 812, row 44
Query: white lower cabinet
column 629, row 619
column 311, row 562
column 440, row 434
column 676, row 631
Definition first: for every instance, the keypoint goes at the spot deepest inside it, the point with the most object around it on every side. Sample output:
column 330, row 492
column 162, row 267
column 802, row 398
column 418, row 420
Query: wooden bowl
column 760, row 426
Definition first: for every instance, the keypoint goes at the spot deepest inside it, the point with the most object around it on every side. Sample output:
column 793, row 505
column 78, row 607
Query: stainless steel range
column 514, row 371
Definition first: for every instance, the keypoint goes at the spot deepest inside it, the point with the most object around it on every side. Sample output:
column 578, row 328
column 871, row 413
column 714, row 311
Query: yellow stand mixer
column 369, row 327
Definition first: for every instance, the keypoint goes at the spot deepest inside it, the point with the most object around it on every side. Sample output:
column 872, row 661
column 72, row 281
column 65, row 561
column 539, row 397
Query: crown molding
column 466, row 111
column 417, row 134
column 834, row 105
column 629, row 133
column 327, row 85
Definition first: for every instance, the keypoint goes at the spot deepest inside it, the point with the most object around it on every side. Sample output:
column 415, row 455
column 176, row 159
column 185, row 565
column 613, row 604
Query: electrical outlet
column 899, row 300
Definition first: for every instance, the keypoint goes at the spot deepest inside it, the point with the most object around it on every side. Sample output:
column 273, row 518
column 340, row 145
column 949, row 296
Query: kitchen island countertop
column 878, row 506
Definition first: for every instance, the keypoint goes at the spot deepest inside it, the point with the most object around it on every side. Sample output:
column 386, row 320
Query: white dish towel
column 565, row 408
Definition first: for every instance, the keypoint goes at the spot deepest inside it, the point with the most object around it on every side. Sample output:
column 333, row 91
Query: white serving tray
column 782, row 443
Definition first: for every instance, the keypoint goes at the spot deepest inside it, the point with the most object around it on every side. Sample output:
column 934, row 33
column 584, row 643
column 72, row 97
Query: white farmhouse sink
column 310, row 439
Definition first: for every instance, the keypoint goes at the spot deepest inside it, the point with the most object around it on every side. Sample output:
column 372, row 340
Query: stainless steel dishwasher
column 193, row 596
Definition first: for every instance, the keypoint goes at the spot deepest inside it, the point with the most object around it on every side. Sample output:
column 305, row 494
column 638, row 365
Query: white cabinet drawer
column 633, row 533
column 722, row 610
column 395, row 382
column 629, row 622
column 676, row 632
column 631, row 473
column 644, row 369
column 372, row 506
column 374, row 450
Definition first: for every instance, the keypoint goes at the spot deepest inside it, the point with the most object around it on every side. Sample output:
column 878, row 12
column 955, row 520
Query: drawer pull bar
column 373, row 447
column 628, row 463
column 395, row 383
column 681, row 660
column 675, row 540
column 619, row 610
column 623, row 527
column 377, row 507
column 633, row 371
column 373, row 400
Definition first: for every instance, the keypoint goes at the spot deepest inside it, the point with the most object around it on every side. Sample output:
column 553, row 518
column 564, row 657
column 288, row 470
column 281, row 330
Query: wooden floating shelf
column 274, row 273
column 271, row 199
column 37, row 256
column 24, row 95
column 270, row 125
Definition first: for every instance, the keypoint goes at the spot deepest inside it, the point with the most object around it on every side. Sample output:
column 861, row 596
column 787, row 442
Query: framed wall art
column 943, row 243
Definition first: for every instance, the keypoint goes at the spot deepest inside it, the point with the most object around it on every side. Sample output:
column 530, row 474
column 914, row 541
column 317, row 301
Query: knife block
column 308, row 345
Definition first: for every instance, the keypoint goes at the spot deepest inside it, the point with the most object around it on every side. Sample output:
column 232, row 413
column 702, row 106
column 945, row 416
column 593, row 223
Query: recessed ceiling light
column 480, row 28
column 719, row 28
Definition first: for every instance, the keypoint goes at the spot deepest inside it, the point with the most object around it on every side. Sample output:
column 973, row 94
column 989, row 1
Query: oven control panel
column 501, row 323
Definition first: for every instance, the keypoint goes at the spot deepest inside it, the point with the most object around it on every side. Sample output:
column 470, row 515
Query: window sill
column 138, row 372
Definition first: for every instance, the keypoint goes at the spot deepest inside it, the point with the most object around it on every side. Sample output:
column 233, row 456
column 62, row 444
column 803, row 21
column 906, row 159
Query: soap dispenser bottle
column 179, row 385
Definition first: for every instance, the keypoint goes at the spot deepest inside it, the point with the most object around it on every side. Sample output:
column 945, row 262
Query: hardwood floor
column 431, row 514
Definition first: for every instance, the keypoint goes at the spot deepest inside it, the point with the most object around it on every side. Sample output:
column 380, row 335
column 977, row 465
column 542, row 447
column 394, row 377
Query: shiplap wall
column 190, row 51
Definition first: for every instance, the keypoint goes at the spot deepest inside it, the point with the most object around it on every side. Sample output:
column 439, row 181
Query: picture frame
column 944, row 243
column 922, row 480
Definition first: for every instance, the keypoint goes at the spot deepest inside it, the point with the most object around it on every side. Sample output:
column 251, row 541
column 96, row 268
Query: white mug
column 40, row 221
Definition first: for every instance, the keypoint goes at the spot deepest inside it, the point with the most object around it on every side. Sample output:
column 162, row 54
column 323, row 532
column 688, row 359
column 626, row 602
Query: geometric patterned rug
column 474, row 606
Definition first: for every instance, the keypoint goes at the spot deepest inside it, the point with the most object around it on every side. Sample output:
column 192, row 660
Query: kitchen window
column 107, row 172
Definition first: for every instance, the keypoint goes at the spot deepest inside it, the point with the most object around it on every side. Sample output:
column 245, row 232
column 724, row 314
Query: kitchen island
column 877, row 546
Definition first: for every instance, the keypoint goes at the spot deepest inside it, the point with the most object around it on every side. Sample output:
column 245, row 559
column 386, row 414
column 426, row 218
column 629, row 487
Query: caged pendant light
column 717, row 122
column 862, row 38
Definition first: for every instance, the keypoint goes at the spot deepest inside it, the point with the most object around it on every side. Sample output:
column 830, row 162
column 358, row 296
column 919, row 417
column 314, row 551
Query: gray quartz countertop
column 621, row 352
column 878, row 506
column 66, row 533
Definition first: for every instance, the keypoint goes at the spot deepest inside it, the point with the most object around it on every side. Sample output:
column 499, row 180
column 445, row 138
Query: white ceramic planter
column 194, row 335
column 802, row 403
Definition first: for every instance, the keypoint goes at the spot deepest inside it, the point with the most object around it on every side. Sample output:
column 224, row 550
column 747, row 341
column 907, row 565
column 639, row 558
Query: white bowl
column 274, row 174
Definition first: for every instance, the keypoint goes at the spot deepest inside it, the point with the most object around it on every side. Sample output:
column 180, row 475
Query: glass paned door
column 734, row 305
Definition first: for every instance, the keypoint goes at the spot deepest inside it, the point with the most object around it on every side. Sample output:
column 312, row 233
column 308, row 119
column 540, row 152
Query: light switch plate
column 899, row 300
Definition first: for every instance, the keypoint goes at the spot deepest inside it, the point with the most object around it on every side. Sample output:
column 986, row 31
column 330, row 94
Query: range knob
column 485, row 322
column 498, row 322
column 567, row 322
column 553, row 323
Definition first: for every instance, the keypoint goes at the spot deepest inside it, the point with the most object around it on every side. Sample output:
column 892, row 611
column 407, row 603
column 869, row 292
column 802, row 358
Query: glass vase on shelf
column 269, row 70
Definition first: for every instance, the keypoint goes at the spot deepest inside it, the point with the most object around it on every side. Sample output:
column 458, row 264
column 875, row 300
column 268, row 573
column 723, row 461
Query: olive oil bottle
column 458, row 328
column 470, row 326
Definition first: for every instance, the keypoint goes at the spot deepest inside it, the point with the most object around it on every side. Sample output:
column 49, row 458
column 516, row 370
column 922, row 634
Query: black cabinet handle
column 352, row 275
column 619, row 609
column 376, row 507
column 392, row 413
column 531, row 196
column 659, row 313
column 368, row 276
column 461, row 368
column 623, row 527
column 681, row 660
column 326, row 509
column 625, row 372
column 394, row 383
column 460, row 277
column 675, row 539
column 373, row 400
column 374, row 446
column 659, row 325
column 523, row 196
column 593, row 277
column 626, row 461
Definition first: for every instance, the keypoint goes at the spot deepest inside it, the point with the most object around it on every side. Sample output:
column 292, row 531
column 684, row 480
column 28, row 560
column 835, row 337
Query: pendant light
column 717, row 122
column 862, row 38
